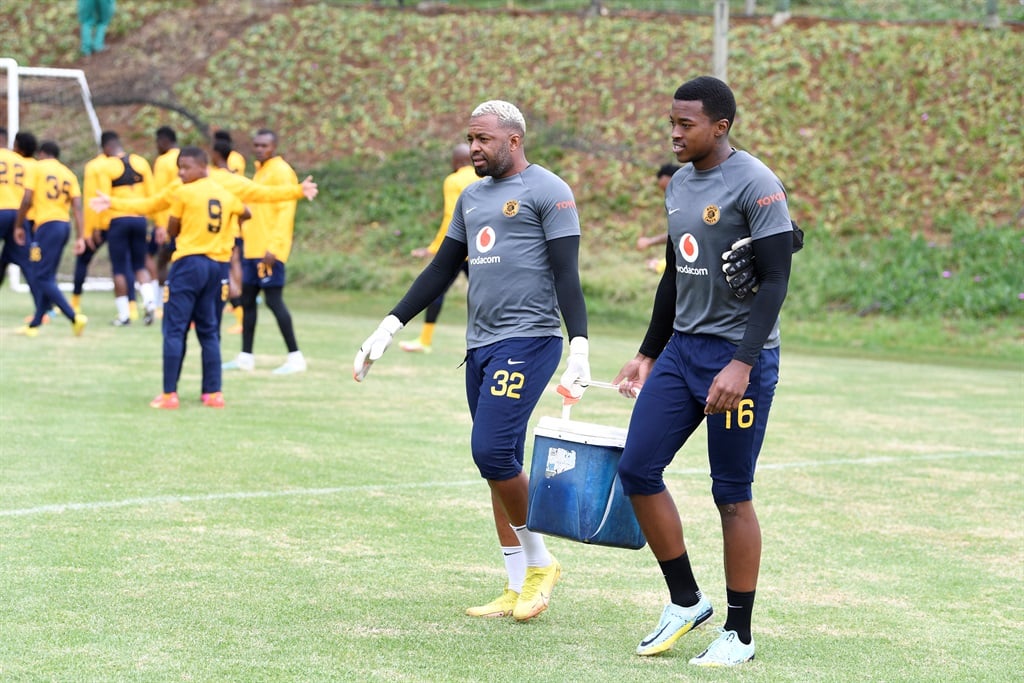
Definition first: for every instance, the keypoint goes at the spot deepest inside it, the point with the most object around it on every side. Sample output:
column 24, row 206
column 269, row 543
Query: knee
column 494, row 463
column 727, row 494
column 637, row 480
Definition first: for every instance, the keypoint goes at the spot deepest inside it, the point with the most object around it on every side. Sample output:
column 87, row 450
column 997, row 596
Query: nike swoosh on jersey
column 515, row 362
column 672, row 211
column 469, row 211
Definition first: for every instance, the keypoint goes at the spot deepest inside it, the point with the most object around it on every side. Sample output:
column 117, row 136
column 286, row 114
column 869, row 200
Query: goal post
column 13, row 72
column 52, row 103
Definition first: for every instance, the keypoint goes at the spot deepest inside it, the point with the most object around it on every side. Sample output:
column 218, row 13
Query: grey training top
column 707, row 212
column 506, row 224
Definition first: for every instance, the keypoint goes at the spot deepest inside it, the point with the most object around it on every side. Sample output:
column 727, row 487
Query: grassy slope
column 875, row 128
column 858, row 118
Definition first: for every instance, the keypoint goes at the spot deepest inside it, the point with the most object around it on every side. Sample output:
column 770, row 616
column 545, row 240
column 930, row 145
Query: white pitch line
column 237, row 495
column 242, row 495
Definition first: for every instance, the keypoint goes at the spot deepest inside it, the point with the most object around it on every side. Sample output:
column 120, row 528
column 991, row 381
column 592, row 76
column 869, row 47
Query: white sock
column 149, row 291
column 515, row 566
column 296, row 357
column 533, row 547
column 121, row 302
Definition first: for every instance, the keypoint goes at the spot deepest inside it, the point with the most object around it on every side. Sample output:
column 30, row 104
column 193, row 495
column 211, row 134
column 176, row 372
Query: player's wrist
column 391, row 324
column 579, row 346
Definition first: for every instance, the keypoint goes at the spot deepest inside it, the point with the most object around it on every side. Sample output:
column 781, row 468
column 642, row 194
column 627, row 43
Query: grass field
column 320, row 530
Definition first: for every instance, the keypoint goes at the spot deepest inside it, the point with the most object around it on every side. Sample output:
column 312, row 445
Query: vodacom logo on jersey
column 688, row 248
column 690, row 251
column 485, row 241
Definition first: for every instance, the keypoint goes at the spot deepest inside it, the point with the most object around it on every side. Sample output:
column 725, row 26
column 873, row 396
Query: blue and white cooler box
column 575, row 491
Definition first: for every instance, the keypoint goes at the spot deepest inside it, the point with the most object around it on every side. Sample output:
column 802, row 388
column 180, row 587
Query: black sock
column 741, row 605
column 682, row 587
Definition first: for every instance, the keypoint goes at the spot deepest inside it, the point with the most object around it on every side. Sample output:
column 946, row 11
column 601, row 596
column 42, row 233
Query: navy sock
column 682, row 587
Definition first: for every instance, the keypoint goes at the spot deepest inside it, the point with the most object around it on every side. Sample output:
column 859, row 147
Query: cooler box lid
column 580, row 432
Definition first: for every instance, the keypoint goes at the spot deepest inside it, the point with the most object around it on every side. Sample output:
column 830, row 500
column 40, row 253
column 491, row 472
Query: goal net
column 54, row 104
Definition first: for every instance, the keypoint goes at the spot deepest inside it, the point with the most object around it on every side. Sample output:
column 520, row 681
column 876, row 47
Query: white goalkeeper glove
column 375, row 346
column 577, row 371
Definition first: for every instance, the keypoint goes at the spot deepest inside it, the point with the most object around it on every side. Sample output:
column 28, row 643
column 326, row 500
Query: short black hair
column 51, row 148
column 715, row 97
column 223, row 148
column 108, row 136
column 167, row 133
column 668, row 169
column 267, row 131
column 196, row 153
column 26, row 143
column 222, row 135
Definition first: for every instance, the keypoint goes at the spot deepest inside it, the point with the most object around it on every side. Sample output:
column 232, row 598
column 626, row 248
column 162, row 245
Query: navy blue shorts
column 255, row 272
column 504, row 381
column 126, row 242
column 671, row 406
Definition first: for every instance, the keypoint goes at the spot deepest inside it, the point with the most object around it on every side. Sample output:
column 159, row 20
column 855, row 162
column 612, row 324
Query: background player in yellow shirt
column 55, row 196
column 15, row 175
column 463, row 174
column 165, row 172
column 127, row 175
column 94, row 231
column 235, row 161
column 199, row 221
column 266, row 244
column 220, row 153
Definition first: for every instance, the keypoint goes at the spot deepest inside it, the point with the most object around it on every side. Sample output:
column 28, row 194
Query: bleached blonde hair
column 508, row 114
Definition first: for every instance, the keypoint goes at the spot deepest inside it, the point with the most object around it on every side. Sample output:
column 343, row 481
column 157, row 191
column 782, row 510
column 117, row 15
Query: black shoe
column 118, row 322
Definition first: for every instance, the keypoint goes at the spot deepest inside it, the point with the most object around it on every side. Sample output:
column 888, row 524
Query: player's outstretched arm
column 428, row 285
column 309, row 188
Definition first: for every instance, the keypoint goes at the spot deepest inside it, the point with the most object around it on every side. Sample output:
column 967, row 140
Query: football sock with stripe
column 515, row 566
column 682, row 587
column 741, row 605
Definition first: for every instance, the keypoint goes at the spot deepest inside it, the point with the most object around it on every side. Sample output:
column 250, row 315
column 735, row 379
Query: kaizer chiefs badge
column 711, row 214
column 511, row 208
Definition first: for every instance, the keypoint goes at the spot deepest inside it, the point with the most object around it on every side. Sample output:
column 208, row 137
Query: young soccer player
column 198, row 223
column 18, row 165
column 55, row 197
column 266, row 245
column 127, row 175
column 708, row 355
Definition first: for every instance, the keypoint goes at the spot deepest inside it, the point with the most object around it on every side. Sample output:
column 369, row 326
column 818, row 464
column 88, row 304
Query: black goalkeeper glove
column 739, row 268
column 739, row 263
